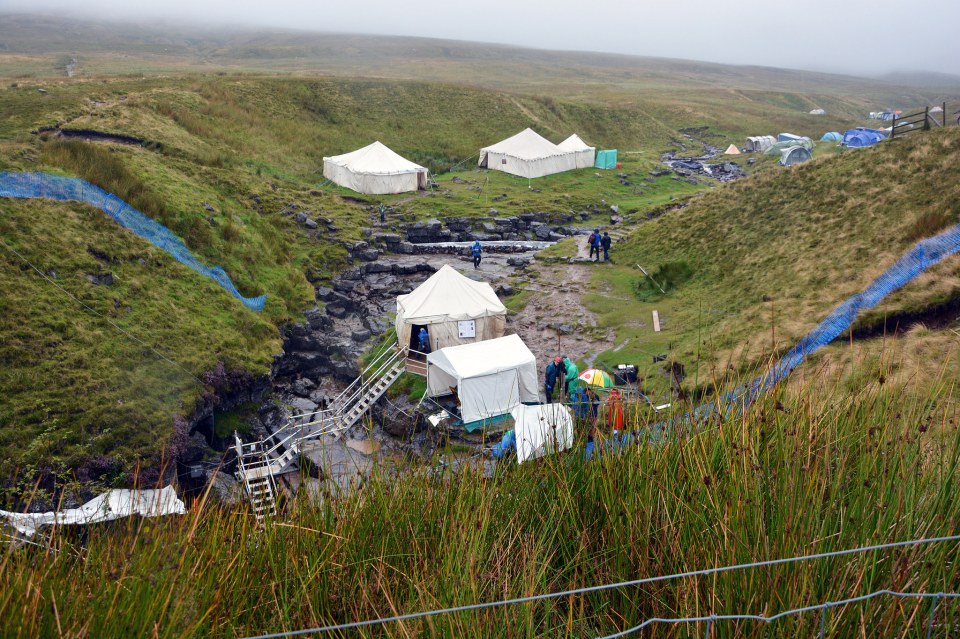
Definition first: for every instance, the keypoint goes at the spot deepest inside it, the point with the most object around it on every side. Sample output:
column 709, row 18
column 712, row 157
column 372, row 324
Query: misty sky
column 866, row 37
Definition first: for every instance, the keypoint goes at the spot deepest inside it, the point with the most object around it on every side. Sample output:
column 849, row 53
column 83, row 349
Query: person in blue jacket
column 595, row 247
column 476, row 250
column 424, row 337
column 550, row 380
column 580, row 403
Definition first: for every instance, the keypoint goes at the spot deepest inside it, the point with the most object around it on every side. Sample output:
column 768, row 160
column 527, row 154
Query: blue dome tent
column 832, row 136
column 861, row 137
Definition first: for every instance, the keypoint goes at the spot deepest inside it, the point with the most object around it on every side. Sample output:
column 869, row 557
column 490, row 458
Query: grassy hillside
column 754, row 265
column 825, row 471
column 224, row 163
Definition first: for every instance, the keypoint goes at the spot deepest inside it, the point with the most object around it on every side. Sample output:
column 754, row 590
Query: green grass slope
column 755, row 265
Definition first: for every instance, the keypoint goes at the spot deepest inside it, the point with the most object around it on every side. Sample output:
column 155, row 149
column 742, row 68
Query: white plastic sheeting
column 375, row 169
column 442, row 302
column 528, row 155
column 583, row 153
column 542, row 430
column 491, row 377
column 111, row 505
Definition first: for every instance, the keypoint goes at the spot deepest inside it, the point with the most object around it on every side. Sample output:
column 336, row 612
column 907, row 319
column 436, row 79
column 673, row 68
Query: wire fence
column 56, row 187
column 708, row 619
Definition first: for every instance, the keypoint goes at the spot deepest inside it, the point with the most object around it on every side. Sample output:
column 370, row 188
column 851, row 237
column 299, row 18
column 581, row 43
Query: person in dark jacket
column 595, row 249
column 424, row 340
column 550, row 380
column 605, row 242
column 590, row 242
column 476, row 250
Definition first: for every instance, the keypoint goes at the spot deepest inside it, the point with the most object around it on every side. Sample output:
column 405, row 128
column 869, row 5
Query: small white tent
column 375, row 169
column 528, row 155
column 583, row 153
column 492, row 378
column 454, row 310
column 732, row 150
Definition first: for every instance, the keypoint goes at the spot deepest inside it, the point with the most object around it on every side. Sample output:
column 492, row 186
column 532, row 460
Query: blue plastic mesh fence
column 922, row 256
column 55, row 187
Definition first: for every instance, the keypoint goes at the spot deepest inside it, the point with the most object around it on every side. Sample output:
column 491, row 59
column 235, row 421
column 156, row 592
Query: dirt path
column 555, row 298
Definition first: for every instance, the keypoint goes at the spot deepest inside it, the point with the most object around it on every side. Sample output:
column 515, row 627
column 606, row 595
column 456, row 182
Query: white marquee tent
column 453, row 308
column 528, row 155
column 375, row 169
column 583, row 153
column 492, row 377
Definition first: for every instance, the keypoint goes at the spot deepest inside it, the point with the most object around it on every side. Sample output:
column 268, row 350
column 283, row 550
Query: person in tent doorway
column 550, row 379
column 591, row 242
column 477, row 251
column 424, row 339
column 595, row 247
column 605, row 242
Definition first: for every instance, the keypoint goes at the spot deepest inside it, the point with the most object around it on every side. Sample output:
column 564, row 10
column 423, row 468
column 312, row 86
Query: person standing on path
column 595, row 248
column 605, row 243
column 550, row 380
column 590, row 242
column 571, row 380
column 477, row 251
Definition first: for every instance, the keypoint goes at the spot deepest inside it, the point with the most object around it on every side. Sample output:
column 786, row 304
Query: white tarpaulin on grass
column 490, row 377
column 111, row 505
column 542, row 430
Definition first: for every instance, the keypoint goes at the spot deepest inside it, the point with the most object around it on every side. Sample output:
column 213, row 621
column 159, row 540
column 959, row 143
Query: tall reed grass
column 801, row 472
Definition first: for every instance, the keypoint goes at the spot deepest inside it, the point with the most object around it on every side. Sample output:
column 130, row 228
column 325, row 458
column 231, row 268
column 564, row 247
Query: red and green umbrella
column 596, row 377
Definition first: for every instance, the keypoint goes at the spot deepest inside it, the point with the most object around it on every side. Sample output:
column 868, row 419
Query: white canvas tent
column 583, row 153
column 542, row 430
column 454, row 309
column 760, row 143
column 375, row 169
column 491, row 377
column 528, row 155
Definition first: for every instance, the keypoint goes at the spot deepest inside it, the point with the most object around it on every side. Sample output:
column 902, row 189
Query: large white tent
column 491, row 378
column 375, row 169
column 454, row 309
column 528, row 155
column 582, row 152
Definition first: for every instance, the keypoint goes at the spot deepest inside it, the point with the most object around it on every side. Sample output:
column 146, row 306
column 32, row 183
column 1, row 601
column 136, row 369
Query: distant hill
column 922, row 79
column 116, row 47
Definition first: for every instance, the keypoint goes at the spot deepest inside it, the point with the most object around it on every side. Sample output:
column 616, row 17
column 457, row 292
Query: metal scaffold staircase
column 260, row 462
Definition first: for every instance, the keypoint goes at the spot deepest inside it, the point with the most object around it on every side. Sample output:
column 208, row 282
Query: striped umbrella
column 596, row 377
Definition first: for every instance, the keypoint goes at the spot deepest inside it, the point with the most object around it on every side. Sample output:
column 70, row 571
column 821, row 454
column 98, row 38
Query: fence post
column 926, row 118
column 933, row 612
column 943, row 115
column 893, row 127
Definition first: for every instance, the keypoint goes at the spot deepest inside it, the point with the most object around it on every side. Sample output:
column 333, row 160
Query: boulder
column 360, row 335
column 323, row 293
column 376, row 267
column 344, row 286
column 301, row 405
column 519, row 262
column 101, row 279
column 302, row 387
column 368, row 255
column 543, row 232
column 505, row 290
column 336, row 310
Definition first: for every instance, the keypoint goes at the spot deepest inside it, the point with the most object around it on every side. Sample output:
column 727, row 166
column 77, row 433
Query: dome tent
column 794, row 155
column 832, row 136
column 527, row 154
column 760, row 143
column 861, row 137
column 375, row 170
column 583, row 153
column 454, row 310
